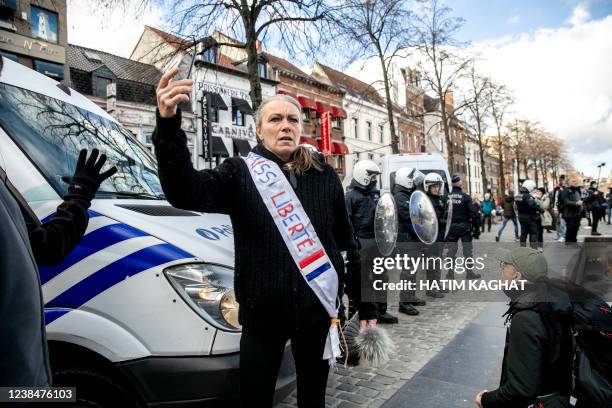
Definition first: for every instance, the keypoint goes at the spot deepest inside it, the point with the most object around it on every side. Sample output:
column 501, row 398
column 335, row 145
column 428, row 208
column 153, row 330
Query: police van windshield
column 52, row 132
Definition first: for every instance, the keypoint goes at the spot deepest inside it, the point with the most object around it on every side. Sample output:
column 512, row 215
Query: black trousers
column 595, row 218
column 529, row 227
column 459, row 232
column 261, row 353
column 486, row 217
column 433, row 270
column 412, row 249
column 572, row 225
column 540, row 233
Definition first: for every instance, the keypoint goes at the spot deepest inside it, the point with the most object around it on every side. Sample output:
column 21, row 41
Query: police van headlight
column 209, row 290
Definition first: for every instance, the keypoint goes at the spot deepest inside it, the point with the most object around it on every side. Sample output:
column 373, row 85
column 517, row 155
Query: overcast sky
column 555, row 55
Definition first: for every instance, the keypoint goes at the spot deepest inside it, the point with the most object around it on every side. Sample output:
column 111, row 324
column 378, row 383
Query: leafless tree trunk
column 435, row 31
column 380, row 29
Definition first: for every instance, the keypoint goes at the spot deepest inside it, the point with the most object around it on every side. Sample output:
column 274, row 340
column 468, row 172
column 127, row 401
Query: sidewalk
column 469, row 363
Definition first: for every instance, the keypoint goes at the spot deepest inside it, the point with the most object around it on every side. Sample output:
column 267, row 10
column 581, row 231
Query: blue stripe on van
column 90, row 214
column 52, row 314
column 90, row 244
column 116, row 272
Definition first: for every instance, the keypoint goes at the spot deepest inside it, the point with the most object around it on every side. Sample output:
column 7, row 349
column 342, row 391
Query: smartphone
column 185, row 67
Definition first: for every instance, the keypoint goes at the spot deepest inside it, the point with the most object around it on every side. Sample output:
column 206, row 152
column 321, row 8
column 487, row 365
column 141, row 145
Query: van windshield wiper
column 132, row 194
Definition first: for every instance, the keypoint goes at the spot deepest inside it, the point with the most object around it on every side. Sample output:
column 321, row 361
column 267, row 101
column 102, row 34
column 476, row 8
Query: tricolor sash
column 301, row 239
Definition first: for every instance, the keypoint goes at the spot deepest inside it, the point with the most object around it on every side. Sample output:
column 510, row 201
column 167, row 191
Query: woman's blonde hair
column 302, row 158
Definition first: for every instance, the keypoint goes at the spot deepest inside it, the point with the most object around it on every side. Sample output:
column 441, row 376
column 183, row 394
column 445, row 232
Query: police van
column 142, row 312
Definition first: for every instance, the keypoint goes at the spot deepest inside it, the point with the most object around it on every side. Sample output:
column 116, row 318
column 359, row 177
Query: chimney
column 448, row 99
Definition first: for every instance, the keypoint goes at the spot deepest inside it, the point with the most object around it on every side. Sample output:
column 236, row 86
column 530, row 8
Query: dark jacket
column 439, row 204
column 267, row 283
column 465, row 211
column 23, row 343
column 361, row 207
column 569, row 197
column 533, row 364
column 405, row 230
column 508, row 206
column 594, row 200
column 527, row 207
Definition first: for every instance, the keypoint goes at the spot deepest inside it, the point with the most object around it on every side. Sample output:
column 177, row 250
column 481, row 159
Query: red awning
column 309, row 140
column 283, row 92
column 323, row 107
column 307, row 103
column 338, row 112
column 339, row 148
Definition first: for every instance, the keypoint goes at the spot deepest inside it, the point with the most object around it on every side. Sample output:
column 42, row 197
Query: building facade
column 220, row 95
column 367, row 133
column 124, row 88
column 35, row 34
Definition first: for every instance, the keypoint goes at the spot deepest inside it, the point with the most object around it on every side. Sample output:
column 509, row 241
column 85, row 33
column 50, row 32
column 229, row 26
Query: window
column 210, row 55
column 214, row 115
column 8, row 55
column 237, row 116
column 44, row 24
column 356, row 128
column 100, row 84
column 370, row 156
column 53, row 128
column 305, row 115
column 262, row 68
column 336, row 123
column 369, row 130
column 381, row 132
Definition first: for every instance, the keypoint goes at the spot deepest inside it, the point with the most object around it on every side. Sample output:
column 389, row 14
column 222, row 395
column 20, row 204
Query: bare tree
column 381, row 29
column 478, row 113
column 500, row 101
column 441, row 67
column 297, row 26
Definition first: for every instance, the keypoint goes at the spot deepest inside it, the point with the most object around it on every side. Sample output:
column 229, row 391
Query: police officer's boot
column 408, row 309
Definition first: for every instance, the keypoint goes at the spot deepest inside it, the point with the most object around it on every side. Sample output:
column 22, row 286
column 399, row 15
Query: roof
column 171, row 39
column 122, row 68
column 353, row 86
column 284, row 64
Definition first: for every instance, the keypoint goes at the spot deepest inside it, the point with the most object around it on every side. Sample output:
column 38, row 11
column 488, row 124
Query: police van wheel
column 94, row 389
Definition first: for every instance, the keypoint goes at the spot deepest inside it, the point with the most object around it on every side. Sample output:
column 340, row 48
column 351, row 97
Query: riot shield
column 385, row 224
column 423, row 217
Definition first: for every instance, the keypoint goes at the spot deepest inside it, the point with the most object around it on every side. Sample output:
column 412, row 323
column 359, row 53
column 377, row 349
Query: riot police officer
column 361, row 206
column 406, row 181
column 528, row 213
column 464, row 225
column 434, row 188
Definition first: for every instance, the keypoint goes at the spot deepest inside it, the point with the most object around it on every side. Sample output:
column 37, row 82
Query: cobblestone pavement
column 417, row 338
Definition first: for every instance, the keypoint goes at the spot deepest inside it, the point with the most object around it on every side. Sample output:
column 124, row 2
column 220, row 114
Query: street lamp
column 599, row 173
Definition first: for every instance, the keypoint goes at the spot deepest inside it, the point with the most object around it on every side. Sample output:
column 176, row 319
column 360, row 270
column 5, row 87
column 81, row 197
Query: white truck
column 142, row 312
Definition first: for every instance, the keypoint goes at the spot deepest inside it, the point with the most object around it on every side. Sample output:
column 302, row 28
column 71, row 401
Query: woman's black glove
column 87, row 177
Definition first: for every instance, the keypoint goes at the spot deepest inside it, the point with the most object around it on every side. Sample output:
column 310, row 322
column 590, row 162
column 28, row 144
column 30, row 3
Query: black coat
column 361, row 207
column 267, row 283
column 569, row 198
column 527, row 207
column 405, row 230
column 531, row 365
column 439, row 204
column 23, row 343
column 465, row 212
